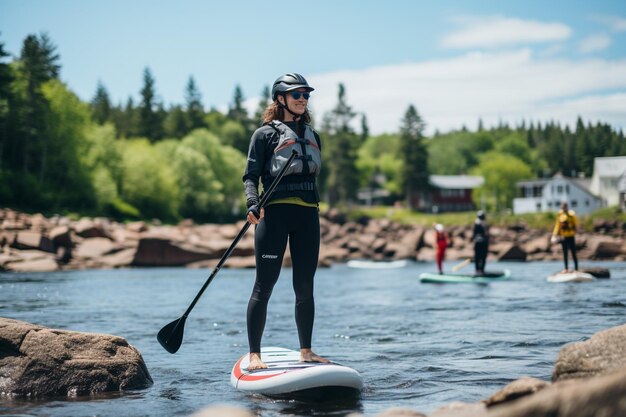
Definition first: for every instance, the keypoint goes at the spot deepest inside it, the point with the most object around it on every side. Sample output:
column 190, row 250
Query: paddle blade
column 171, row 336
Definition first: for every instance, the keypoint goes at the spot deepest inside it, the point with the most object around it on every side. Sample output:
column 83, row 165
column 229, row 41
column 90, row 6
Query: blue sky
column 456, row 61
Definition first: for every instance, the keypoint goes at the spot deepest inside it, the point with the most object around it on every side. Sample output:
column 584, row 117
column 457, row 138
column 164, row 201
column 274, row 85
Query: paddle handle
column 242, row 232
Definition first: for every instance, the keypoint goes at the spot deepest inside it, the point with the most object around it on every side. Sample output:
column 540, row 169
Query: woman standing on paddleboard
column 292, row 213
column 480, row 237
column 565, row 232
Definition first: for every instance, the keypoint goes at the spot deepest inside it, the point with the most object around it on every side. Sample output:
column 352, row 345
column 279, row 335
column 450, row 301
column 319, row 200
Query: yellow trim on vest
column 292, row 200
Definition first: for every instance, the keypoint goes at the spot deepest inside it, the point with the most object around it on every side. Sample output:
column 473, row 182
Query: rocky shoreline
column 34, row 243
column 589, row 378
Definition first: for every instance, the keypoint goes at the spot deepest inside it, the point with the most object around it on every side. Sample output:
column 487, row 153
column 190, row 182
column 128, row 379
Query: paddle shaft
column 242, row 232
column 461, row 265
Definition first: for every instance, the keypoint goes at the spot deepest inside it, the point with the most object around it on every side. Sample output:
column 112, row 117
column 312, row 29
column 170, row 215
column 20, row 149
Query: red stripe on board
column 249, row 377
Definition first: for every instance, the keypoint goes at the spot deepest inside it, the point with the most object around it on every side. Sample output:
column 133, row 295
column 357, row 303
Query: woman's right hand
column 252, row 218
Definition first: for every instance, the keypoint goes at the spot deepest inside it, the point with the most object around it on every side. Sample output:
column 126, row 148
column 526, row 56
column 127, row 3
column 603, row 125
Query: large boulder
column 604, row 352
column 36, row 361
column 599, row 396
column 161, row 251
column 512, row 252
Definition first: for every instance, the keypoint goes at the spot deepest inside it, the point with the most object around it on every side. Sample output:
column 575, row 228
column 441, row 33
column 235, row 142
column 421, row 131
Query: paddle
column 171, row 336
column 461, row 265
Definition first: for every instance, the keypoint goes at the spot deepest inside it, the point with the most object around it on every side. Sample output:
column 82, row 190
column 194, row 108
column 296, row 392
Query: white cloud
column 615, row 23
column 593, row 43
column 449, row 93
column 497, row 31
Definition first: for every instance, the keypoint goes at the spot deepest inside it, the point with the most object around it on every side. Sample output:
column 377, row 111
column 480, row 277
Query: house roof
column 582, row 183
column 611, row 166
column 533, row 183
column 456, row 181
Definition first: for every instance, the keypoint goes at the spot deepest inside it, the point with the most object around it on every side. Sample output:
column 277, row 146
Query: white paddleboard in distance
column 575, row 276
column 364, row 264
column 287, row 377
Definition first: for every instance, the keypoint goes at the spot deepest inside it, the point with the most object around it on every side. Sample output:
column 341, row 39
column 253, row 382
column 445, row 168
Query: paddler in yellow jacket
column 565, row 232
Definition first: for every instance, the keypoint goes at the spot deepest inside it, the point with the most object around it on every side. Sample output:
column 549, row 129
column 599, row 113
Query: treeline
column 145, row 160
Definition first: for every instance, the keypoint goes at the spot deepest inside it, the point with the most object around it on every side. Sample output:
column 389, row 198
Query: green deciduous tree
column 65, row 176
column 149, row 184
column 501, row 172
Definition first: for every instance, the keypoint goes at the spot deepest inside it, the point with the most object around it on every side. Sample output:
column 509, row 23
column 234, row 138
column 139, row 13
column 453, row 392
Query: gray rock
column 39, row 362
column 604, row 352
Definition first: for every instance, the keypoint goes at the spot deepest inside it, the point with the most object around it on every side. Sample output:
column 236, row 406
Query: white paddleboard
column 575, row 276
column 356, row 263
column 286, row 376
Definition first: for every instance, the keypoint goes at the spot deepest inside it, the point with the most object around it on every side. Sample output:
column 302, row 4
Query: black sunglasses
column 297, row 94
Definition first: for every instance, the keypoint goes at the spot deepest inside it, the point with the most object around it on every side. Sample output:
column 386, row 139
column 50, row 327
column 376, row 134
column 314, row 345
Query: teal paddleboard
column 493, row 276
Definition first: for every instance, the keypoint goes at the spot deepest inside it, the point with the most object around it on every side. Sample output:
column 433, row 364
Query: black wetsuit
column 569, row 243
column 480, row 236
column 298, row 224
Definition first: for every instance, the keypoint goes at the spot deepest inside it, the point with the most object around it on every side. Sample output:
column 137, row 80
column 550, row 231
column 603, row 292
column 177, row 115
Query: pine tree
column 263, row 103
column 176, row 124
column 237, row 111
column 150, row 119
column 101, row 105
column 39, row 64
column 340, row 152
column 194, row 108
column 6, row 97
column 414, row 156
column 365, row 129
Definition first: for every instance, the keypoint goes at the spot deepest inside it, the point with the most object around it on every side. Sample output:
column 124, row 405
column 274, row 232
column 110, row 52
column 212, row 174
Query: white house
column 606, row 174
column 544, row 195
column 621, row 188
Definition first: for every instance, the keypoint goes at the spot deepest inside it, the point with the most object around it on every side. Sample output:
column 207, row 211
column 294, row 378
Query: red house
column 448, row 193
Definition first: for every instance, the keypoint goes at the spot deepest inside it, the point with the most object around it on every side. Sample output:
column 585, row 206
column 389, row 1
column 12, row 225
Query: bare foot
column 256, row 362
column 307, row 355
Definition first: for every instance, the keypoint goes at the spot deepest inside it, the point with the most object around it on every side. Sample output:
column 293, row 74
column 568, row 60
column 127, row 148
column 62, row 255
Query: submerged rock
column 36, row 361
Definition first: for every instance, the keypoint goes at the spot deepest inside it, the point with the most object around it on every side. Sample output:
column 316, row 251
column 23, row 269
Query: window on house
column 574, row 203
column 567, row 188
column 538, row 206
column 559, row 189
column 587, row 202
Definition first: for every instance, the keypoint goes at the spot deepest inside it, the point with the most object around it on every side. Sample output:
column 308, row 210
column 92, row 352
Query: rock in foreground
column 36, row 361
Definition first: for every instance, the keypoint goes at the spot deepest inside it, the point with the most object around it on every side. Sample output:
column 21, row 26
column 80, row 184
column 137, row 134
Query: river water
column 416, row 345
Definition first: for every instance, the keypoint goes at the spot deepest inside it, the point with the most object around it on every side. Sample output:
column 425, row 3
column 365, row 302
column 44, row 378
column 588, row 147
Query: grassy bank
column 532, row 220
